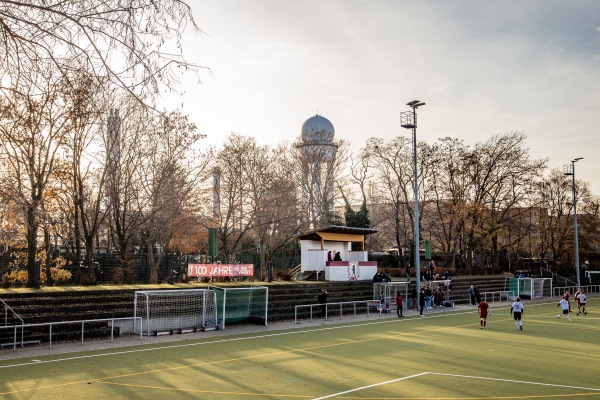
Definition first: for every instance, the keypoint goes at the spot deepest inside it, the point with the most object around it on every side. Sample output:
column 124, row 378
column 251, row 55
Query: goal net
column 529, row 288
column 175, row 311
column 386, row 293
column 236, row 305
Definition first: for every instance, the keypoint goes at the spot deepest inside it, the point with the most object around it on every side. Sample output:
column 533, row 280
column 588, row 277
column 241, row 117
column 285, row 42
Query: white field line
column 370, row 386
column 517, row 381
column 456, row 376
column 266, row 335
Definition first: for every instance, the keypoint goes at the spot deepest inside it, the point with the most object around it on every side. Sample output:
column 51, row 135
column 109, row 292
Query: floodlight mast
column 572, row 174
column 408, row 120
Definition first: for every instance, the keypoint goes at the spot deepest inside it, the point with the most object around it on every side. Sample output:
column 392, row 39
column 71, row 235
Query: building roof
column 337, row 230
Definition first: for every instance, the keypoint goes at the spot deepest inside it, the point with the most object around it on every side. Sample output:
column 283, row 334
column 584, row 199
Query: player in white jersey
column 517, row 311
column 582, row 300
column 564, row 305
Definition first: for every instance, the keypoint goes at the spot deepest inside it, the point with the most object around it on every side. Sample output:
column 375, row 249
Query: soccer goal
column 175, row 311
column 386, row 292
column 236, row 305
column 529, row 288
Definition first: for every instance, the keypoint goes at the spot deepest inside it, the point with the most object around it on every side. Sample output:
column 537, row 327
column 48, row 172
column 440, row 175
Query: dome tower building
column 317, row 154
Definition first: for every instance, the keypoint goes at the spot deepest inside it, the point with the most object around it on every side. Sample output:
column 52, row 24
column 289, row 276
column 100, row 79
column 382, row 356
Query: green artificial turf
column 442, row 356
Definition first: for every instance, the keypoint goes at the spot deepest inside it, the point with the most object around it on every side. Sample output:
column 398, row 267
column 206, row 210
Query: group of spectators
column 382, row 277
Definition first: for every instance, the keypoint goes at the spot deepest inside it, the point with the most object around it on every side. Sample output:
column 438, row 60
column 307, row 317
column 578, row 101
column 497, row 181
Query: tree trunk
column 49, row 260
column 90, row 250
column 152, row 264
column 32, row 230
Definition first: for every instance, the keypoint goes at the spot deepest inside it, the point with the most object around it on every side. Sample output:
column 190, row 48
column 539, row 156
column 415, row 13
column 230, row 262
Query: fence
column 353, row 307
column 110, row 268
column 560, row 290
column 501, row 294
column 114, row 323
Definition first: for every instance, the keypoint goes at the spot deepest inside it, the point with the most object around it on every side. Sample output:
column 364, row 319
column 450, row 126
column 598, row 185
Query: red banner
column 220, row 269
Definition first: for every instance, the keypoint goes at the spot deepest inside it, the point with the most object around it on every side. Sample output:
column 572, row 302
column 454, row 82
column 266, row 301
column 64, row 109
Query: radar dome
column 317, row 129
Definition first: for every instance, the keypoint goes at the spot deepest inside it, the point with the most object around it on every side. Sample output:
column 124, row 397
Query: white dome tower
column 317, row 151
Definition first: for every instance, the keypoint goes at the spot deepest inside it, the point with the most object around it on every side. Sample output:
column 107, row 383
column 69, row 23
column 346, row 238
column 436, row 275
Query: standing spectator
column 407, row 272
column 431, row 269
column 428, row 295
column 517, row 311
column 484, row 310
column 477, row 295
column 582, row 301
column 399, row 300
column 381, row 303
column 323, row 301
column 564, row 305
column 438, row 297
column 329, row 256
column 472, row 295
column 337, row 257
column 413, row 297
column 421, row 302
column 446, row 275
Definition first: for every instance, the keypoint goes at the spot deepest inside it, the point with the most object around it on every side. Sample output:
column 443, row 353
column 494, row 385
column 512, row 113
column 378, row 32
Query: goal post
column 529, row 288
column 388, row 291
column 249, row 304
column 175, row 311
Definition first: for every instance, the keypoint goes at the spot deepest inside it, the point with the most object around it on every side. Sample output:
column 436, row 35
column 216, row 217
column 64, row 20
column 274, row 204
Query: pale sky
column 482, row 67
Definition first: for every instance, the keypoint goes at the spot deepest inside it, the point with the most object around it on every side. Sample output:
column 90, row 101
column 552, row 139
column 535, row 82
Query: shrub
column 59, row 275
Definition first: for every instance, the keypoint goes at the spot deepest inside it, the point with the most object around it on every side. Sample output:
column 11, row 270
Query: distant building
column 317, row 153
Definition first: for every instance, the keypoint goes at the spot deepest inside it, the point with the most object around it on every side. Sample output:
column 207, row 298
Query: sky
column 482, row 67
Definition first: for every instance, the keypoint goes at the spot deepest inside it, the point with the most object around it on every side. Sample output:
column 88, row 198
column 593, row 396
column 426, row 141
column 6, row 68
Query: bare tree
column 169, row 175
column 501, row 174
column 33, row 128
column 449, row 184
column 392, row 168
column 135, row 44
column 273, row 198
column 557, row 228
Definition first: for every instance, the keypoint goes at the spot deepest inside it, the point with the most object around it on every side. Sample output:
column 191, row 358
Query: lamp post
column 408, row 120
column 571, row 171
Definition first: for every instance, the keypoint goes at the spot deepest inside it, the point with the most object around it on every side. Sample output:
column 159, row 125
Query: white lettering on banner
column 220, row 269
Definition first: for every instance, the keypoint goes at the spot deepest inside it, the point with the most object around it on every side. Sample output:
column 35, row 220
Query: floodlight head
column 419, row 104
column 577, row 159
column 412, row 103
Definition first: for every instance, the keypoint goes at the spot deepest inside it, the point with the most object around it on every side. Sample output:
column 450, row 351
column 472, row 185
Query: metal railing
column 501, row 294
column 556, row 277
column 352, row 307
column 589, row 289
column 7, row 309
column 50, row 326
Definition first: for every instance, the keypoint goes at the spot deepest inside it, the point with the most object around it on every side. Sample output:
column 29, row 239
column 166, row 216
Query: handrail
column 374, row 303
column 81, row 321
column 500, row 293
column 589, row 289
column 7, row 308
column 556, row 276
column 295, row 269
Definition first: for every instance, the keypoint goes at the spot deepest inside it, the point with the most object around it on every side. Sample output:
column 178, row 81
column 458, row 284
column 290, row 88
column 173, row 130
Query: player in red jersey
column 576, row 296
column 484, row 310
column 566, row 297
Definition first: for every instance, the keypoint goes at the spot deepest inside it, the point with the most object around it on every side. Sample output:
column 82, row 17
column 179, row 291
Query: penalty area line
column 370, row 386
column 516, row 381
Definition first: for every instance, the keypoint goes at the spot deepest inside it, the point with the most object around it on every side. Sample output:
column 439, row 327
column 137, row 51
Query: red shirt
column 483, row 308
column 399, row 299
